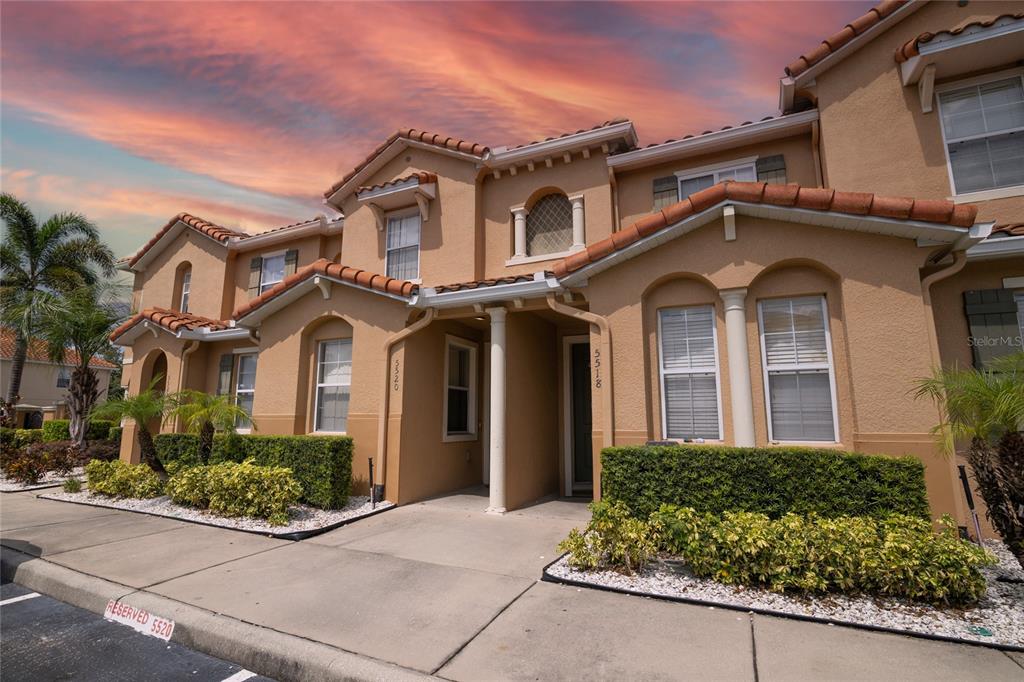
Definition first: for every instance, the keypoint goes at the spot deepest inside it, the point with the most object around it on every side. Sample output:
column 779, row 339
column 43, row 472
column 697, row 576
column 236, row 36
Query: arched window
column 549, row 226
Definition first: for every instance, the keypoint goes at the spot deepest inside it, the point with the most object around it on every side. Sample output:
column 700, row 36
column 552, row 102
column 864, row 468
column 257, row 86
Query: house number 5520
column 395, row 380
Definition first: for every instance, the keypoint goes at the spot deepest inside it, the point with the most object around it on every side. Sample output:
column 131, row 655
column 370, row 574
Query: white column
column 739, row 367
column 519, row 222
column 579, row 239
column 497, row 425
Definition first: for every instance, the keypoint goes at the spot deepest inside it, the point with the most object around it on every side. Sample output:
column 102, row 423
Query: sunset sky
column 243, row 113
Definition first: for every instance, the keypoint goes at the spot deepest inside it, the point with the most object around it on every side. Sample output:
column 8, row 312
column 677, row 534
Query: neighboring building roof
column 911, row 48
column 38, row 352
column 791, row 196
column 834, row 42
column 328, row 268
column 171, row 320
column 422, row 177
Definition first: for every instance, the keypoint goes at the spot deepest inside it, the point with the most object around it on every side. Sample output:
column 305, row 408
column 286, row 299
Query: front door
column 581, row 428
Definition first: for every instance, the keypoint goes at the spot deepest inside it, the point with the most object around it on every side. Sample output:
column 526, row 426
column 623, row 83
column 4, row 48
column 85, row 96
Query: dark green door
column 582, row 454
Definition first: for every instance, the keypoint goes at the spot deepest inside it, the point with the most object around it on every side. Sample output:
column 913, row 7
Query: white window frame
column 186, row 287
column 264, row 257
column 471, row 399
column 766, row 370
column 317, row 385
column 662, row 373
column 714, row 170
column 404, row 213
column 981, row 194
column 248, row 391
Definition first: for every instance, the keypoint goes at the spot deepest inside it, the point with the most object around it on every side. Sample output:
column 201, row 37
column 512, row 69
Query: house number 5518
column 597, row 368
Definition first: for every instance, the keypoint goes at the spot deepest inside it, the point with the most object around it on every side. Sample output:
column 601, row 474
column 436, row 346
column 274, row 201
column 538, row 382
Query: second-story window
column 268, row 269
column 691, row 183
column 402, row 258
column 272, row 271
column 186, row 286
column 983, row 127
column 549, row 226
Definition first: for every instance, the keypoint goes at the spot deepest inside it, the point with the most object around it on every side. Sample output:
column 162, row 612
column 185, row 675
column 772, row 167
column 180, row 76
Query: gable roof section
column 858, row 27
column 171, row 320
column 382, row 284
column 794, row 197
column 204, row 227
column 421, row 178
column 38, row 352
column 912, row 47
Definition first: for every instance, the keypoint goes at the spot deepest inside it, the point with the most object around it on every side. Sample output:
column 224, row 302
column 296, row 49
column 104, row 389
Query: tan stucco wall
column 635, row 187
column 39, row 382
column 309, row 248
column 874, row 136
column 208, row 260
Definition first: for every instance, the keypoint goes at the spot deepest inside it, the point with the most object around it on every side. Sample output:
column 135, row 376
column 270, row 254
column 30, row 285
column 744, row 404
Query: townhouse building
column 497, row 315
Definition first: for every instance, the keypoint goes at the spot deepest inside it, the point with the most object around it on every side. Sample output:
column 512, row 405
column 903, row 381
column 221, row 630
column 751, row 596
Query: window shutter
column 666, row 192
column 291, row 261
column 772, row 169
column 227, row 362
column 993, row 324
column 255, row 269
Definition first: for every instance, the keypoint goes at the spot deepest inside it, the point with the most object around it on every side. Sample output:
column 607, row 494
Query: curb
column 551, row 578
column 260, row 649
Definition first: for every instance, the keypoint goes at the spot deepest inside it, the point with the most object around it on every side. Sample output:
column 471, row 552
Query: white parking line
column 242, row 674
column 31, row 595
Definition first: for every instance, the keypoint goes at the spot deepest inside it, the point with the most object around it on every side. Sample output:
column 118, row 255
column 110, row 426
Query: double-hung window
column 798, row 373
column 186, row 286
column 460, row 390
column 333, row 382
column 403, row 246
column 983, row 127
column 245, row 387
column 693, row 182
column 272, row 271
column 689, row 373
column 63, row 377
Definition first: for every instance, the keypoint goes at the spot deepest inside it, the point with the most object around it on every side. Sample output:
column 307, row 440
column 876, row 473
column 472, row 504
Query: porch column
column 578, row 237
column 519, row 231
column 739, row 366
column 497, row 425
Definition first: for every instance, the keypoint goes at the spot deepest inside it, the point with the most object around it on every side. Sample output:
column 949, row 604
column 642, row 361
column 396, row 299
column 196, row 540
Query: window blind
column 689, row 371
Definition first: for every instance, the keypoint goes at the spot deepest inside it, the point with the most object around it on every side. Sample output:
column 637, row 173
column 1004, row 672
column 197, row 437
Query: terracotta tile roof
column 706, row 132
column 221, row 234
column 171, row 320
column 837, row 40
column 1009, row 230
column 912, row 47
column 451, row 143
column 423, row 177
column 815, row 198
column 476, row 284
column 38, row 352
column 614, row 121
column 324, row 266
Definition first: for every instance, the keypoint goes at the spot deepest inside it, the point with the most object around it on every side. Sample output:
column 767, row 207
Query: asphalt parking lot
column 44, row 639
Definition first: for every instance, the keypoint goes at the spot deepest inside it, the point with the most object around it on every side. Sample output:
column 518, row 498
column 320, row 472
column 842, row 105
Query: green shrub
column 232, row 489
column 899, row 556
column 19, row 438
column 114, row 435
column 612, row 539
column 118, row 479
column 773, row 481
column 100, row 449
column 60, row 429
column 322, row 465
column 28, row 464
column 72, row 485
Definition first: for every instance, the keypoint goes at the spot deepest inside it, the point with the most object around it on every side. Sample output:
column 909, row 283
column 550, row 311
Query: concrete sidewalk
column 436, row 588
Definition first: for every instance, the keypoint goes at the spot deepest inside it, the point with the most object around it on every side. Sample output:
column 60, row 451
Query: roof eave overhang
column 541, row 285
column 142, row 327
column 784, row 126
column 255, row 317
column 498, row 159
column 788, row 85
column 1001, row 247
column 314, row 227
column 912, row 69
column 924, row 233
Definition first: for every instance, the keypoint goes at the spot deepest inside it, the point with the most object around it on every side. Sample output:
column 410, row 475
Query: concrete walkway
column 443, row 589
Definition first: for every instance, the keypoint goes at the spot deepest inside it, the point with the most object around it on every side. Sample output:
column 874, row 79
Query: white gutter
column 503, row 156
column 1000, row 247
column 701, row 144
column 320, row 226
column 541, row 285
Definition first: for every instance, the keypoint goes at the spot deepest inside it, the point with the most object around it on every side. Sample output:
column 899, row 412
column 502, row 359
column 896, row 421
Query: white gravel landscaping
column 302, row 517
column 998, row 618
column 50, row 479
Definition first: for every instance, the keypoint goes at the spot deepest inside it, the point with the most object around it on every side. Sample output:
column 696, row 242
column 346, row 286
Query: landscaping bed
column 997, row 619
column 51, row 479
column 303, row 520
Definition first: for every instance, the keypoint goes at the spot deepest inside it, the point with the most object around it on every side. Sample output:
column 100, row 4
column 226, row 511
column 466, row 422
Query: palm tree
column 81, row 322
column 203, row 414
column 36, row 262
column 148, row 405
column 985, row 407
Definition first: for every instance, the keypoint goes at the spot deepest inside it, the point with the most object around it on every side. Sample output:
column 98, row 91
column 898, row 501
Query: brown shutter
column 992, row 320
column 227, row 363
column 772, row 169
column 291, row 262
column 255, row 270
column 666, row 192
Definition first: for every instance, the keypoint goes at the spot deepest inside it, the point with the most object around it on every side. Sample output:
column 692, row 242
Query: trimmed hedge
column 231, row 489
column 20, row 438
column 60, row 429
column 114, row 435
column 322, row 465
column 772, row 481
column 118, row 479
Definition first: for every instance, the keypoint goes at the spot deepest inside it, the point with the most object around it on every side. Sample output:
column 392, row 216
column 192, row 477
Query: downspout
column 189, row 349
column 959, row 261
column 819, row 170
column 608, row 434
column 382, row 425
